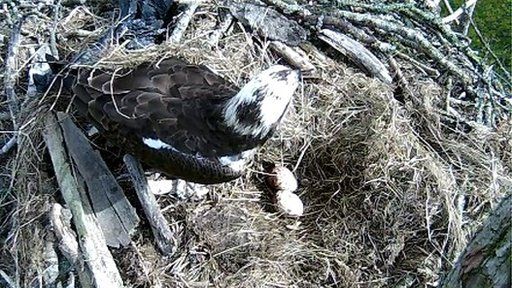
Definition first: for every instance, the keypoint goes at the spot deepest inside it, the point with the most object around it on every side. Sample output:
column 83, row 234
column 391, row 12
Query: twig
column 489, row 49
column 183, row 21
column 427, row 70
column 8, row 145
column 456, row 14
column 93, row 245
column 163, row 235
column 466, row 19
column 358, row 33
column 7, row 279
column 412, row 35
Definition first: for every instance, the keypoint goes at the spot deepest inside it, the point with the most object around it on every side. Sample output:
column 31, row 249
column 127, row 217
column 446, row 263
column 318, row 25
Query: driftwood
column 116, row 216
column 356, row 53
column 92, row 243
column 269, row 23
column 164, row 237
column 294, row 56
column 486, row 261
column 60, row 219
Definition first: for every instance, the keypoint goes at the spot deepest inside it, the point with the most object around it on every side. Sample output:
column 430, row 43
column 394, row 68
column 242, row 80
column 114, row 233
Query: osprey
column 184, row 120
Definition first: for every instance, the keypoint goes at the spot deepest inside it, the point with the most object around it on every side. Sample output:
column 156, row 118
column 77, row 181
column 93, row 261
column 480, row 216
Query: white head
column 262, row 102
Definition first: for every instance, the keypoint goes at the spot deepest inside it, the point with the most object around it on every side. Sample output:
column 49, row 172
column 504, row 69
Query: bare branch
column 163, row 235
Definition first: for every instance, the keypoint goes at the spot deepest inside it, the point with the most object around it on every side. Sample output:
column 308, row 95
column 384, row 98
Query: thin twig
column 456, row 14
column 489, row 49
column 8, row 145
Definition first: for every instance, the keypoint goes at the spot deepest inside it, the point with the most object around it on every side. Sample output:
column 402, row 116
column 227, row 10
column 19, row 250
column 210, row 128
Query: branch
column 163, row 235
column 415, row 37
column 294, row 56
column 8, row 145
column 357, row 53
column 183, row 22
column 456, row 14
column 11, row 74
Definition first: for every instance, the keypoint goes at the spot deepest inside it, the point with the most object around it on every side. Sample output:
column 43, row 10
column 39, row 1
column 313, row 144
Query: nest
column 391, row 192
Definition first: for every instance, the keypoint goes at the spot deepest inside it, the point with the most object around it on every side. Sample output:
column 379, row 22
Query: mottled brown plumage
column 177, row 103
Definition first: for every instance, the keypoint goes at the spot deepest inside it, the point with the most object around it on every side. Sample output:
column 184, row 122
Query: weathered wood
column 486, row 261
column 116, row 216
column 356, row 53
column 269, row 23
column 92, row 243
column 11, row 72
column 51, row 264
column 60, row 219
column 183, row 21
column 294, row 56
column 164, row 237
column 222, row 28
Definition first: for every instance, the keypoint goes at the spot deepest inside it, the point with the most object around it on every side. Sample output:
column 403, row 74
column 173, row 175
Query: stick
column 293, row 56
column 8, row 280
column 11, row 74
column 222, row 28
column 357, row 53
column 456, row 14
column 91, row 240
column 183, row 21
column 8, row 145
column 417, row 38
column 164, row 237
column 60, row 219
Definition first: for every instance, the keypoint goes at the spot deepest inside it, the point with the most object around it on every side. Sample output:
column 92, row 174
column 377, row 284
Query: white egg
column 282, row 178
column 289, row 203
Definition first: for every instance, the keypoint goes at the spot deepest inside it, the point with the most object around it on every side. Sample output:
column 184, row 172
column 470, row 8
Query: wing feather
column 173, row 101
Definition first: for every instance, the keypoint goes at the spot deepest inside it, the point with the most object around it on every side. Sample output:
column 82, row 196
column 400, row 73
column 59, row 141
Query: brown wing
column 174, row 102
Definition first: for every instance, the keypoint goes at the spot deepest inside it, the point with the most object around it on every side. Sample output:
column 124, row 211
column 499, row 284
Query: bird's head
column 259, row 106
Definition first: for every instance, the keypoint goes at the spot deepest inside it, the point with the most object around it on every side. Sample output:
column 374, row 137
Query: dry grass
column 391, row 192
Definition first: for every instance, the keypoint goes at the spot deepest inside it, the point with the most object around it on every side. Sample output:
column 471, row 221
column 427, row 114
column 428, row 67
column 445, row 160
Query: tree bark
column 486, row 262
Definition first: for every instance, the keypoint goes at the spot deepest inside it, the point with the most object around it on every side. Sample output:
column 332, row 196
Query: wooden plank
column 96, row 255
column 116, row 216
